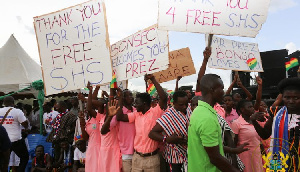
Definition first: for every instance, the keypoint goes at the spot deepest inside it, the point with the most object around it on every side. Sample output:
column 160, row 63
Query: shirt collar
column 206, row 105
column 242, row 120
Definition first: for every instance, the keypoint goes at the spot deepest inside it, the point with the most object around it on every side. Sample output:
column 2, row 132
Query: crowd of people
column 206, row 130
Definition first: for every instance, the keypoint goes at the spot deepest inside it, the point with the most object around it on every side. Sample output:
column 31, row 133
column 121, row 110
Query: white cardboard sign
column 221, row 17
column 234, row 55
column 144, row 52
column 74, row 47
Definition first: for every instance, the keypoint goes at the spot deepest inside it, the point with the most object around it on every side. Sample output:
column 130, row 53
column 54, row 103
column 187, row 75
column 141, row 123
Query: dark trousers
column 175, row 167
column 20, row 148
column 4, row 160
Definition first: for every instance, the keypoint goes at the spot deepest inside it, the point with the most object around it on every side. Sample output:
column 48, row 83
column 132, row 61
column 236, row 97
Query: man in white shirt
column 48, row 116
column 12, row 123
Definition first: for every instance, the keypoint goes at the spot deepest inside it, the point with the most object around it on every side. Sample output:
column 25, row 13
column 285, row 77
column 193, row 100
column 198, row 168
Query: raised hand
column 112, row 108
column 259, row 80
column 207, row 53
column 119, row 93
column 81, row 118
column 179, row 78
column 236, row 77
column 81, row 97
column 258, row 116
column 148, row 76
column 89, row 86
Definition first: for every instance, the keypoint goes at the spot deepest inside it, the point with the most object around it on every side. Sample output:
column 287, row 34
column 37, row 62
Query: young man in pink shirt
column 126, row 132
column 145, row 149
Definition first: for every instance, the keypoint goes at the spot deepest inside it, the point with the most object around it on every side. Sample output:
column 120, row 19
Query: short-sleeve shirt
column 49, row 117
column 12, row 122
column 204, row 131
column 79, row 156
column 143, row 125
column 5, row 143
column 232, row 116
column 175, row 122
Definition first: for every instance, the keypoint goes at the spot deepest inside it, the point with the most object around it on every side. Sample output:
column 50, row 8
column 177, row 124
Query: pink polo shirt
column 143, row 125
column 232, row 116
column 126, row 134
column 219, row 110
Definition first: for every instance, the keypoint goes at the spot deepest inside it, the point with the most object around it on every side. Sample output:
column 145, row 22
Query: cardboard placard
column 224, row 17
column 181, row 64
column 144, row 52
column 234, row 55
column 74, row 47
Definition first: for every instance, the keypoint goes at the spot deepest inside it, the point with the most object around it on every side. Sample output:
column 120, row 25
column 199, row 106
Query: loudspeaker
column 273, row 63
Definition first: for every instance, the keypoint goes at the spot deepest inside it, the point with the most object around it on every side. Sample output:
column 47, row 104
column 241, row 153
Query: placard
column 144, row 52
column 223, row 17
column 234, row 55
column 74, row 47
column 121, row 84
column 181, row 64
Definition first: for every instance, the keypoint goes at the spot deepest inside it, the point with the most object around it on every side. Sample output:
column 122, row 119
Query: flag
column 113, row 83
column 292, row 63
column 252, row 63
column 170, row 92
column 151, row 89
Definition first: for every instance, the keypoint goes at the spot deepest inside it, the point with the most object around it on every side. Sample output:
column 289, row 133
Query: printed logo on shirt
column 94, row 126
column 8, row 119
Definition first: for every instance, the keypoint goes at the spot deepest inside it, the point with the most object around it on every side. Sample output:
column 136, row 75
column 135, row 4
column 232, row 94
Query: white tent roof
column 16, row 67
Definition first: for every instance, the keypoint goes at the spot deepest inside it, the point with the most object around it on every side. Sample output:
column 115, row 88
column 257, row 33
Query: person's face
column 58, row 108
column 64, row 145
column 237, row 97
column 248, row 109
column 128, row 97
column 263, row 107
column 139, row 105
column 218, row 91
column 81, row 145
column 189, row 94
column 291, row 99
column 181, row 104
column 39, row 152
column 228, row 102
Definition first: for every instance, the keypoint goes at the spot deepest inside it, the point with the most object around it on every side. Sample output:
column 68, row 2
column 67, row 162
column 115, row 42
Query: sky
column 280, row 31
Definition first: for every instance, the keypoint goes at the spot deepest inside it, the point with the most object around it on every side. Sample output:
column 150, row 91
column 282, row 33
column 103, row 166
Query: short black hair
column 40, row 146
column 63, row 104
column 9, row 100
column 289, row 84
column 241, row 104
column 207, row 82
column 180, row 93
column 145, row 97
column 228, row 95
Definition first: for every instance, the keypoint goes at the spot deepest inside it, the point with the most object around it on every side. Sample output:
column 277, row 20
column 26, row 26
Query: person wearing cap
column 79, row 154
column 283, row 124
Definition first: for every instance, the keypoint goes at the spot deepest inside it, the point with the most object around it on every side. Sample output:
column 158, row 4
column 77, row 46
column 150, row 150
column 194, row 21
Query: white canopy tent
column 17, row 68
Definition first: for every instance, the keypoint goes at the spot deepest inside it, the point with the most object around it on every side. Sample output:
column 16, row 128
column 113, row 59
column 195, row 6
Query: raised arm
column 89, row 107
column 112, row 111
column 95, row 93
column 258, row 93
column 231, row 85
column 206, row 55
column 163, row 98
column 120, row 116
column 248, row 94
column 85, row 135
column 177, row 80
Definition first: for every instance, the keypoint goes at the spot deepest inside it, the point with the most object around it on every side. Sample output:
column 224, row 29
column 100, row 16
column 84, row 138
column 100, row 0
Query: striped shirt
column 176, row 122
